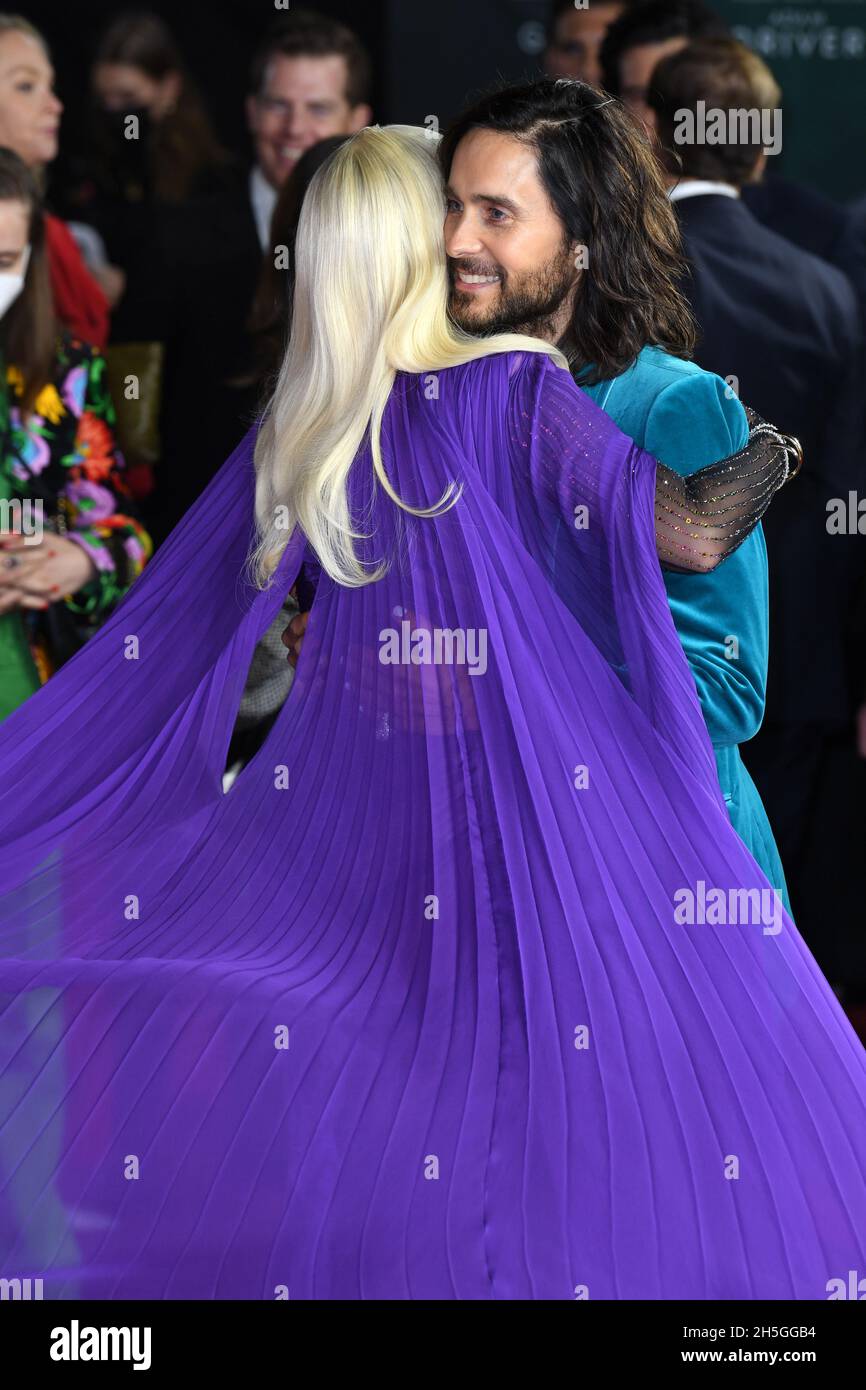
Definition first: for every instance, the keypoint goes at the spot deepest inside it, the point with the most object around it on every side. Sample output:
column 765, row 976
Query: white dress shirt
column 264, row 199
column 692, row 188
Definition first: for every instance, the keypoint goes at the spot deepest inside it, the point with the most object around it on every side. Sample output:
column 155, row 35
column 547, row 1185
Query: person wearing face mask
column 139, row 69
column 29, row 124
column 135, row 193
column 69, row 547
column 122, row 186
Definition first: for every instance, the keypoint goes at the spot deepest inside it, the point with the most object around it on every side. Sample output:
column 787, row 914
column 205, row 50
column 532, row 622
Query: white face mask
column 12, row 283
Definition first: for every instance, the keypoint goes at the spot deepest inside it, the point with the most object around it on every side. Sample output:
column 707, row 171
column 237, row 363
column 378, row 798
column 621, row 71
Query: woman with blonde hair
column 529, row 992
column 30, row 112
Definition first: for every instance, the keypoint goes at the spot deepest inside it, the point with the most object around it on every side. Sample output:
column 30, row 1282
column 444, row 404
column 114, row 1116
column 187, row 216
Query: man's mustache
column 473, row 268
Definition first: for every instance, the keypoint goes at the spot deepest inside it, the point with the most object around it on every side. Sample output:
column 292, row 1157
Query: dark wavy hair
column 654, row 21
column 269, row 322
column 605, row 184
column 28, row 332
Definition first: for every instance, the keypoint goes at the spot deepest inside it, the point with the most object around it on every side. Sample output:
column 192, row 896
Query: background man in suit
column 650, row 31
column 783, row 327
column 309, row 79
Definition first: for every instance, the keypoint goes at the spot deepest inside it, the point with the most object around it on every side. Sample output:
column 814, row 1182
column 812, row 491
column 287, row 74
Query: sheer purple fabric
column 466, row 988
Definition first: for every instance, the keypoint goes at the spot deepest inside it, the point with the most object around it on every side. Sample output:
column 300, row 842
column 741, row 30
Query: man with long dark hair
column 558, row 225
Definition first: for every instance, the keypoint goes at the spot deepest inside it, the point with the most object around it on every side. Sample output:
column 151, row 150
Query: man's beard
column 528, row 304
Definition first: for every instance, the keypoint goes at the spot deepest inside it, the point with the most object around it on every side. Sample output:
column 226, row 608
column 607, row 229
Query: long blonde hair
column 371, row 292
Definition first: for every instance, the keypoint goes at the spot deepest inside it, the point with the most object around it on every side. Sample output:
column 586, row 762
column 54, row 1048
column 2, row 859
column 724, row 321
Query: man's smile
column 474, row 281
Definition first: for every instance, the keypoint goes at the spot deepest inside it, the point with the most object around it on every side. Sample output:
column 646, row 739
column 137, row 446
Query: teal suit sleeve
column 693, row 422
column 722, row 617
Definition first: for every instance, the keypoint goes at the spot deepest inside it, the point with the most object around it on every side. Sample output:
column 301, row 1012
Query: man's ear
column 759, row 169
column 359, row 116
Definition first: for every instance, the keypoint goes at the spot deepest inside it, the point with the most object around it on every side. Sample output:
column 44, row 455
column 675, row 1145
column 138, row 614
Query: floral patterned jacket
column 65, row 454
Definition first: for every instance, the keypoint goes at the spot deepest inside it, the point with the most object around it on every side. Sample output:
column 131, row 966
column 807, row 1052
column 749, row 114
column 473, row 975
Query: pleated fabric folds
column 466, row 989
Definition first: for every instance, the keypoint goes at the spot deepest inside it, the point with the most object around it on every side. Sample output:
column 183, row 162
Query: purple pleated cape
column 466, row 988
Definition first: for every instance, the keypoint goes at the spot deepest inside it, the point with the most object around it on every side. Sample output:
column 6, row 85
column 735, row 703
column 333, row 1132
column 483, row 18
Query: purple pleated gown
column 458, row 991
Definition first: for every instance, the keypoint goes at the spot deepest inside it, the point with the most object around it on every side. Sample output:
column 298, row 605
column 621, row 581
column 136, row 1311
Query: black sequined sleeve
column 703, row 518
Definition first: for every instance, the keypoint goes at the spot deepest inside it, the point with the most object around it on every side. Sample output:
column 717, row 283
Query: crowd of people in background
column 172, row 268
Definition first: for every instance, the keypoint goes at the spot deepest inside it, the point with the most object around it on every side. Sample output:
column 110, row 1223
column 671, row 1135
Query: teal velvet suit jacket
column 687, row 418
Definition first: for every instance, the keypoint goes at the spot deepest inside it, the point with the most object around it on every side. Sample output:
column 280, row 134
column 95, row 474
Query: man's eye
column 497, row 214
column 26, row 87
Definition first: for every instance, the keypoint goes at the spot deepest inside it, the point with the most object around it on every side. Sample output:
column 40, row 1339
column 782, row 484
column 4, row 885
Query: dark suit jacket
column 811, row 220
column 850, row 252
column 214, row 262
column 816, row 223
column 786, row 325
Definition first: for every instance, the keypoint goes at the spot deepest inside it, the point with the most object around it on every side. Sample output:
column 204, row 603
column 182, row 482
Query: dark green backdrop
column 818, row 55
column 429, row 57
